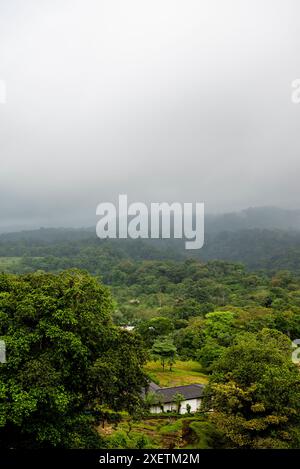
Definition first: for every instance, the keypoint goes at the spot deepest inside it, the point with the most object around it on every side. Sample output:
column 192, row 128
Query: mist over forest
column 132, row 343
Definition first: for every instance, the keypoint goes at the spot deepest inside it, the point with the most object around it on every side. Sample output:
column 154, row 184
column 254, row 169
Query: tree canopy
column 65, row 360
column 254, row 392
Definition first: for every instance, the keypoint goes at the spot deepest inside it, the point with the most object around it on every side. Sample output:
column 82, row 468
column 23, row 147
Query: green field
column 183, row 372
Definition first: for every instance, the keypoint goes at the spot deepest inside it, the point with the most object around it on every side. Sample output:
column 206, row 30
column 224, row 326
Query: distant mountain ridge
column 263, row 238
column 265, row 218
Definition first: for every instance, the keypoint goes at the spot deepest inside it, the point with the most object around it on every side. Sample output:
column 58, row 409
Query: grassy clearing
column 171, row 428
column 183, row 372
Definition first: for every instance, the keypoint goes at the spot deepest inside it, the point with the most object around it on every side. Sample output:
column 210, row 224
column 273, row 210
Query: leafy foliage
column 165, row 351
column 254, row 392
column 65, row 360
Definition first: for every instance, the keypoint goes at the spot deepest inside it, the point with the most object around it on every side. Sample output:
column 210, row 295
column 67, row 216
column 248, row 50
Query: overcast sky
column 165, row 100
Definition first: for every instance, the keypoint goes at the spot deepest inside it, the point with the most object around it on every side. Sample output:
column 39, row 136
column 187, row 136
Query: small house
column 166, row 398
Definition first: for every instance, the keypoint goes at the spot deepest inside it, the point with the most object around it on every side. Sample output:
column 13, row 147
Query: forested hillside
column 55, row 249
column 224, row 317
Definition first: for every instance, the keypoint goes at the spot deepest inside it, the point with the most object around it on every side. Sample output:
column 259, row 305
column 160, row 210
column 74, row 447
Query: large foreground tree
column 254, row 392
column 66, row 362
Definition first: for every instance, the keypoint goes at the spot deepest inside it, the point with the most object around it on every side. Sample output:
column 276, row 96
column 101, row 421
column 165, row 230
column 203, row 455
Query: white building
column 166, row 398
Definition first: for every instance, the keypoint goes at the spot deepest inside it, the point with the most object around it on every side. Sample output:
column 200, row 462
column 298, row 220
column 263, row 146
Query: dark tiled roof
column 153, row 387
column 192, row 391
